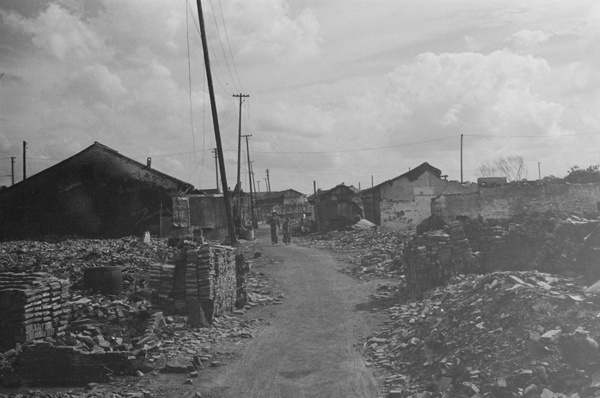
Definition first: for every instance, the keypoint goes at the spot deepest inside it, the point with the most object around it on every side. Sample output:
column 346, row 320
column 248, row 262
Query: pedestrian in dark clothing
column 287, row 230
column 273, row 221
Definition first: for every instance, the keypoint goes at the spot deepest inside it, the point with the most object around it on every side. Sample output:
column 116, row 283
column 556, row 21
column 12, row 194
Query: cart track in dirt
column 310, row 348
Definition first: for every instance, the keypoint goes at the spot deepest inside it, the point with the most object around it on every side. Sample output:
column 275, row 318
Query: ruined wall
column 404, row 203
column 508, row 201
column 434, row 257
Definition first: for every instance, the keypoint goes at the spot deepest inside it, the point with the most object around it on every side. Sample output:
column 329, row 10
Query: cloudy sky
column 340, row 90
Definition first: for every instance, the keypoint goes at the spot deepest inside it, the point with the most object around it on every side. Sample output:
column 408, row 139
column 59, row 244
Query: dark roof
column 411, row 175
column 351, row 188
column 96, row 146
column 275, row 194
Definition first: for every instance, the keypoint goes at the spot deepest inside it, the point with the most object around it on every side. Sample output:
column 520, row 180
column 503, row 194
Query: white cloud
column 59, row 33
column 526, row 40
column 265, row 29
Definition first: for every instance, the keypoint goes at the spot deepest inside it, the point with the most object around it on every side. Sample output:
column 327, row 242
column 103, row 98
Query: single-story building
column 97, row 192
column 404, row 201
column 337, row 207
column 289, row 202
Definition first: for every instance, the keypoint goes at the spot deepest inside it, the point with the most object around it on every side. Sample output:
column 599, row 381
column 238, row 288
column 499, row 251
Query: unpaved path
column 310, row 348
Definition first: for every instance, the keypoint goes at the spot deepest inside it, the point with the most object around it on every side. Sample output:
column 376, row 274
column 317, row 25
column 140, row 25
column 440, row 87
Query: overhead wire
column 187, row 35
column 229, row 46
column 225, row 57
column 215, row 61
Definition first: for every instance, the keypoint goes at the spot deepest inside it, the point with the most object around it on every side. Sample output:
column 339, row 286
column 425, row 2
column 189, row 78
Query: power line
column 529, row 136
column 229, row 46
column 221, row 41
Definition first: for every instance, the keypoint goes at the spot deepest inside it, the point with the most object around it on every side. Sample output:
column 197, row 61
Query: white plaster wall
column 404, row 204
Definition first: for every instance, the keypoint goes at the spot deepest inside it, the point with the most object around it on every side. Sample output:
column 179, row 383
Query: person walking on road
column 287, row 230
column 273, row 221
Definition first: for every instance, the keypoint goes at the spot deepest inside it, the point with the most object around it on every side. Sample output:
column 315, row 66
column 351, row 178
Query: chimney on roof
column 149, row 162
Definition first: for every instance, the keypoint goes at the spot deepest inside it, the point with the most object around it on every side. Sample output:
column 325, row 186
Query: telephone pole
column 12, row 169
column 216, row 153
column 215, row 118
column 24, row 160
column 250, row 180
column 241, row 97
column 461, row 158
column 268, row 183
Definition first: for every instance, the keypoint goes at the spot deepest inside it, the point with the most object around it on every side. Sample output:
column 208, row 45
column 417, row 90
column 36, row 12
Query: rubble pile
column 434, row 257
column 32, row 306
column 372, row 252
column 66, row 259
column 502, row 334
column 544, row 241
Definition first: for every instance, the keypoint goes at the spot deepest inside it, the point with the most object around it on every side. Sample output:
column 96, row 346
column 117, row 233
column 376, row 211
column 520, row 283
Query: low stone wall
column 43, row 364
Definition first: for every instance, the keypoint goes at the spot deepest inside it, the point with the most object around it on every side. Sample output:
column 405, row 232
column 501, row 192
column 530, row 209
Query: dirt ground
column 311, row 346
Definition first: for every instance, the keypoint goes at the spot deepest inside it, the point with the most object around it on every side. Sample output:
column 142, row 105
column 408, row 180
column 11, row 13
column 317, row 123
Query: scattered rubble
column 493, row 335
column 95, row 337
column 372, row 252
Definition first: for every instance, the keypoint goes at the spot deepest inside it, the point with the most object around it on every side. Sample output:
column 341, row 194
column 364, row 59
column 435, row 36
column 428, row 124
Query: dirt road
column 310, row 348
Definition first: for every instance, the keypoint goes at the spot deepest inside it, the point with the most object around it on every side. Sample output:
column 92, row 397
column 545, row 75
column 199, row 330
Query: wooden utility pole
column 252, row 172
column 461, row 158
column 215, row 118
column 250, row 180
column 12, row 169
column 24, row 160
column 268, row 182
column 539, row 171
column 241, row 97
column 216, row 153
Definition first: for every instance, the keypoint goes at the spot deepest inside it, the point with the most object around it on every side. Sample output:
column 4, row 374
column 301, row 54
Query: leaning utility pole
column 241, row 96
column 216, row 167
column 12, row 169
column 250, row 180
column 24, row 160
column 461, row 159
column 215, row 118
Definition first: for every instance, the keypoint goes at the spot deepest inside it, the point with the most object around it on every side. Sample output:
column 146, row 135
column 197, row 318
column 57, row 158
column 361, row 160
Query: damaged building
column 289, row 202
column 404, row 201
column 97, row 192
column 337, row 207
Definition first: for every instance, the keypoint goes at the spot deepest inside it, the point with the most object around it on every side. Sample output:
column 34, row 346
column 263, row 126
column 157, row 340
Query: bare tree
column 511, row 167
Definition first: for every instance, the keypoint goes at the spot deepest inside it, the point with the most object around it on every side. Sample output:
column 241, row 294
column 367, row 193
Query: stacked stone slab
column 161, row 284
column 210, row 277
column 434, row 257
column 32, row 306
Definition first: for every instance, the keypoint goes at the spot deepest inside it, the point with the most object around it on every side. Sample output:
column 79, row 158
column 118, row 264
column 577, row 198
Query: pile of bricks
column 434, row 257
column 161, row 283
column 210, row 277
column 32, row 306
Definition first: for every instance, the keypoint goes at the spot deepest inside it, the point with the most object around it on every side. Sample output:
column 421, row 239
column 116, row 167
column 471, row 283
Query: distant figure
column 303, row 224
column 287, row 231
column 273, row 221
